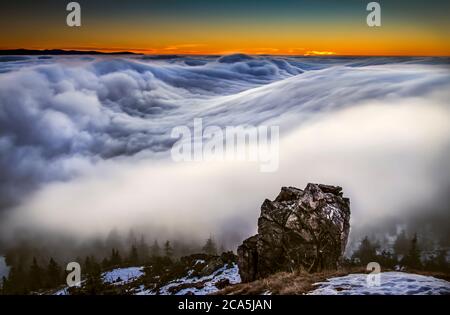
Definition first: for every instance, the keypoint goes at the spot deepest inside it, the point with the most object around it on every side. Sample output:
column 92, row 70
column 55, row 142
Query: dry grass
column 301, row 282
column 286, row 283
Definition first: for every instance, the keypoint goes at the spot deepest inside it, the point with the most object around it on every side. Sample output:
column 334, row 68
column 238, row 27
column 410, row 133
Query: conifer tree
column 155, row 250
column 3, row 289
column 412, row 259
column 105, row 263
column 36, row 276
column 441, row 261
column 17, row 281
column 401, row 245
column 116, row 259
column 134, row 257
column 94, row 284
column 54, row 274
column 143, row 250
column 210, row 247
column 367, row 252
column 168, row 250
column 87, row 265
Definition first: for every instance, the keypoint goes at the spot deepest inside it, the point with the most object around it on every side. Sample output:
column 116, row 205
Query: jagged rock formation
column 300, row 229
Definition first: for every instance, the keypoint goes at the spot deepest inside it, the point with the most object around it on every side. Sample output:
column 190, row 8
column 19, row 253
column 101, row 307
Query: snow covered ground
column 208, row 283
column 392, row 283
column 123, row 275
column 195, row 285
column 118, row 276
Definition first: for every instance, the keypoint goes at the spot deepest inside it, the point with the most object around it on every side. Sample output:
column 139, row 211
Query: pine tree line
column 36, row 277
column 23, row 280
column 405, row 253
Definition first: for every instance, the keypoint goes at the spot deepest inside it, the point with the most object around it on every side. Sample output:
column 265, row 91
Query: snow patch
column 123, row 275
column 209, row 282
column 64, row 291
column 4, row 269
column 142, row 291
column 199, row 261
column 392, row 283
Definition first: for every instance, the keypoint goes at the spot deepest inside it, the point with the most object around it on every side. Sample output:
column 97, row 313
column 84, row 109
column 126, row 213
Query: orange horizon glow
column 217, row 39
column 265, row 51
column 324, row 39
column 218, row 28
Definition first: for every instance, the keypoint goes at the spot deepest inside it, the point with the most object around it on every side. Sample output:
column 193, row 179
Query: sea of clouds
column 85, row 141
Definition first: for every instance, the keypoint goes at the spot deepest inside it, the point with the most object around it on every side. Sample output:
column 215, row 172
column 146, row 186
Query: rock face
column 305, row 229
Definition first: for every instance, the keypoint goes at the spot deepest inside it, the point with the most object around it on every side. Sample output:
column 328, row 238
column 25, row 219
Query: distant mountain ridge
column 57, row 52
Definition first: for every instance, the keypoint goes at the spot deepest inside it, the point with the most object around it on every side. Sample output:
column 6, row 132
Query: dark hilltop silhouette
column 58, row 52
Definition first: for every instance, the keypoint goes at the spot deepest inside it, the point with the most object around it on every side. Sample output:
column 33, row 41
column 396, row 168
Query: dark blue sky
column 250, row 25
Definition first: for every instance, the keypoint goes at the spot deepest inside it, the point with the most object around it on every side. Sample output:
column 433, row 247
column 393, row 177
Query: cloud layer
column 84, row 143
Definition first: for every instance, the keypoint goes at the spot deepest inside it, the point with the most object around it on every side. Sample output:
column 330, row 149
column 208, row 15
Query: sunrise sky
column 292, row 27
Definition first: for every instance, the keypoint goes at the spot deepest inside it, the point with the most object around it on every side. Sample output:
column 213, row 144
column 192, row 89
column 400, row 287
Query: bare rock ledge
column 300, row 229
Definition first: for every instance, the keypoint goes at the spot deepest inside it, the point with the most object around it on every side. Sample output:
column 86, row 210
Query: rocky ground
column 224, row 279
column 198, row 274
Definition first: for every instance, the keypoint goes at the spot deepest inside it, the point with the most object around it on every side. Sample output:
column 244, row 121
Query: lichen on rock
column 305, row 229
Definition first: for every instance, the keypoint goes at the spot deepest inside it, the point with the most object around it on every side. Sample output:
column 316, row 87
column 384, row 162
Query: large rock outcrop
column 305, row 229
